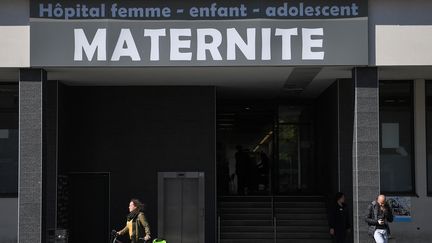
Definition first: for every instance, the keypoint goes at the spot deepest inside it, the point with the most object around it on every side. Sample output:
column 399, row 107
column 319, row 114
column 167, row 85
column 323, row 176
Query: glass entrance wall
column 265, row 149
column 289, row 168
column 245, row 148
column 295, row 149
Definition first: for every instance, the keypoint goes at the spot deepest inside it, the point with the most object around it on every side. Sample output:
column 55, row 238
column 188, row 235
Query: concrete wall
column 8, row 220
column 14, row 33
column 400, row 32
column 135, row 132
column 15, row 46
column 30, row 155
column 403, row 45
column 14, row 12
column 366, row 156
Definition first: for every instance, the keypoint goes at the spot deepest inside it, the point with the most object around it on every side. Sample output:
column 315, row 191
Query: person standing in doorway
column 241, row 169
column 378, row 217
column 136, row 225
column 339, row 221
column 252, row 178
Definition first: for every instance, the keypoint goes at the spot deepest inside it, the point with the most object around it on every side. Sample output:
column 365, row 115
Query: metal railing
column 219, row 229
column 274, row 229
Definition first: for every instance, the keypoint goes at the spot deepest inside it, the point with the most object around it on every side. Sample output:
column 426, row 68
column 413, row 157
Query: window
column 429, row 135
column 396, row 137
column 8, row 140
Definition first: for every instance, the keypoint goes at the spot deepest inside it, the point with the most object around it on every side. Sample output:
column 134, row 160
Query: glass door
column 289, row 168
column 264, row 150
column 292, row 172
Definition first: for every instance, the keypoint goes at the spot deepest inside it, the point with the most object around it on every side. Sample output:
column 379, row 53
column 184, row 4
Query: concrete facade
column 400, row 36
column 366, row 172
column 30, row 155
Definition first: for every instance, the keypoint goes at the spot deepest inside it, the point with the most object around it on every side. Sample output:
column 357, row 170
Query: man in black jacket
column 378, row 216
column 339, row 220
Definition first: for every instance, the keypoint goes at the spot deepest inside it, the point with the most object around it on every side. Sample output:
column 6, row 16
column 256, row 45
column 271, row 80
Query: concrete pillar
column 30, row 156
column 366, row 157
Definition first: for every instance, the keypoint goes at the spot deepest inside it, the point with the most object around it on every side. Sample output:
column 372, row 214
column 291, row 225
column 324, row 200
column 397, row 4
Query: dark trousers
column 241, row 184
column 339, row 237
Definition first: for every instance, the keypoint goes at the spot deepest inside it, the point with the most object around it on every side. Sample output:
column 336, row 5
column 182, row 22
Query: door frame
column 201, row 199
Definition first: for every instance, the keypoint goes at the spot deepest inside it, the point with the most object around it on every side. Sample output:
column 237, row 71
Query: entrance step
column 298, row 219
column 278, row 241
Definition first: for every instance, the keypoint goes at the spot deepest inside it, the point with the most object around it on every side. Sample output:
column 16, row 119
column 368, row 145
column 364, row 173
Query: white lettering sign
column 201, row 44
column 82, row 45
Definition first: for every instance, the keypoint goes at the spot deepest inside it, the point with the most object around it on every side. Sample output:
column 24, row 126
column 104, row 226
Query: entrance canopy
column 231, row 82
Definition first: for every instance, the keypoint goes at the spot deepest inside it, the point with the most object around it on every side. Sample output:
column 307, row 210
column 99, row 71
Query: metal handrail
column 219, row 229
column 274, row 219
column 274, row 229
column 272, row 206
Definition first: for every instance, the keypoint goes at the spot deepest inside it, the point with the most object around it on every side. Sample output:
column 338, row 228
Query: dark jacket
column 339, row 218
column 372, row 216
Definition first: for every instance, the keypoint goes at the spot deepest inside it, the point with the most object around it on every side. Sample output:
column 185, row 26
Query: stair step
column 301, row 216
column 244, row 204
column 302, row 222
column 245, row 210
column 300, row 210
column 238, row 229
column 278, row 241
column 226, row 210
column 299, row 198
column 236, row 222
column 247, row 235
column 300, row 205
column 299, row 219
column 304, row 235
column 269, row 216
column 270, row 228
column 248, row 216
column 247, row 241
column 270, row 235
column 313, row 228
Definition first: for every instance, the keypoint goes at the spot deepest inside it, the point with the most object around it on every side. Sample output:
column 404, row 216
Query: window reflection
column 9, row 140
column 396, row 136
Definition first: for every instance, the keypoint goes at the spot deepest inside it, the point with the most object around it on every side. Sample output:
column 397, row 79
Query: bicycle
column 113, row 238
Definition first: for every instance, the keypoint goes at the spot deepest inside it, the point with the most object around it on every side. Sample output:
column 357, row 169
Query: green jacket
column 138, row 228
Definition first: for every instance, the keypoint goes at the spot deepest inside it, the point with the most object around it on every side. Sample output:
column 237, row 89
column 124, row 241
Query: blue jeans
column 381, row 236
